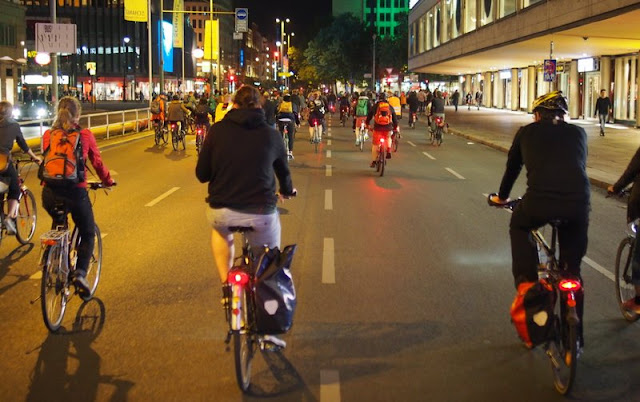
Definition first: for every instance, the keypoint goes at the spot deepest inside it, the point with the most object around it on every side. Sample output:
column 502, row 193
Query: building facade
column 12, row 53
column 515, row 50
column 382, row 14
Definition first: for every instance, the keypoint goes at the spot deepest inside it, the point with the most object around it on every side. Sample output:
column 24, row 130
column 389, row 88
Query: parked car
column 33, row 110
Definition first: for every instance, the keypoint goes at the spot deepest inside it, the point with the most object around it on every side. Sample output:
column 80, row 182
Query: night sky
column 307, row 17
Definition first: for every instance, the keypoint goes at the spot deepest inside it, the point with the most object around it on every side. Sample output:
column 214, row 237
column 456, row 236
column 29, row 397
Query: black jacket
column 555, row 156
column 240, row 155
column 10, row 132
column 602, row 106
column 270, row 111
column 631, row 174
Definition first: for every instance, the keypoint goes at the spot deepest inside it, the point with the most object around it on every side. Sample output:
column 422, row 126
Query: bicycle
column 27, row 217
column 317, row 134
column 283, row 126
column 362, row 134
column 200, row 133
column 562, row 347
column 436, row 133
column 160, row 132
column 344, row 113
column 177, row 136
column 413, row 117
column 58, row 259
column 625, row 288
column 394, row 139
column 381, row 158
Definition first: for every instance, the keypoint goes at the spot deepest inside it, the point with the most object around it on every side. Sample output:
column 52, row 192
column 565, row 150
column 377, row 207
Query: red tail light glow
column 382, row 140
column 238, row 277
column 173, row 126
column 569, row 285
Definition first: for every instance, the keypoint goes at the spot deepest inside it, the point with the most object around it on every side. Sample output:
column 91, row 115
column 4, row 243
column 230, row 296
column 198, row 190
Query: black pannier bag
column 274, row 295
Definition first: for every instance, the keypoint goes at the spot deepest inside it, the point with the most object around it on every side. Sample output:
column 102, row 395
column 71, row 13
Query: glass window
column 487, row 11
column 436, row 25
column 527, row 3
column 507, row 7
column 469, row 16
column 428, row 32
column 422, row 34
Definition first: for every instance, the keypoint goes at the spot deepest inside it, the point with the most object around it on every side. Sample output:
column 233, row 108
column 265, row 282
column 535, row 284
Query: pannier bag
column 532, row 312
column 274, row 295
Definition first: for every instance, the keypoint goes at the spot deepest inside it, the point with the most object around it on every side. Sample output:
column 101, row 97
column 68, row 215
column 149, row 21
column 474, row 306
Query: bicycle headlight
column 16, row 113
column 41, row 113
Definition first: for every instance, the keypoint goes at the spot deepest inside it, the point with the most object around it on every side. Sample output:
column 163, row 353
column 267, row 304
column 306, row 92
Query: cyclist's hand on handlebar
column 37, row 160
column 283, row 197
column 610, row 190
column 495, row 201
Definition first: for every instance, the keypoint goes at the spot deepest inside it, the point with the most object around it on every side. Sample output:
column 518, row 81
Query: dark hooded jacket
column 10, row 132
column 240, row 159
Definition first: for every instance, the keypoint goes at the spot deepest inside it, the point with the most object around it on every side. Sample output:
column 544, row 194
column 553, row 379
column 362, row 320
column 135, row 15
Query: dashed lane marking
column 329, row 386
column 429, row 156
column 328, row 143
column 328, row 265
column 328, row 171
column 162, row 197
column 456, row 174
column 411, row 143
column 328, row 199
column 328, row 153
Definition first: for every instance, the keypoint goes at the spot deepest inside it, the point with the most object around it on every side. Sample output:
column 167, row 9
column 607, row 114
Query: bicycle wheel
column 27, row 217
column 316, row 138
column 53, row 290
column 198, row 143
column 183, row 140
column 165, row 135
column 95, row 263
column 624, row 288
column 381, row 161
column 157, row 136
column 174, row 139
column 244, row 349
column 361, row 141
column 564, row 350
column 395, row 143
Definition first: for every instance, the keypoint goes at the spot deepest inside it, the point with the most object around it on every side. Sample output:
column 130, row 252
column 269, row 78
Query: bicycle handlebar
column 510, row 204
column 620, row 194
column 96, row 185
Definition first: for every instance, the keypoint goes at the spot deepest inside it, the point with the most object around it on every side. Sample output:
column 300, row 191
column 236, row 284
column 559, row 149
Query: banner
column 135, row 10
column 166, row 45
column 178, row 23
column 211, row 39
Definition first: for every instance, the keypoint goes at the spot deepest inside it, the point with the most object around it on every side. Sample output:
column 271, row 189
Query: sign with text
column 178, row 24
column 549, row 70
column 135, row 10
column 56, row 38
column 242, row 19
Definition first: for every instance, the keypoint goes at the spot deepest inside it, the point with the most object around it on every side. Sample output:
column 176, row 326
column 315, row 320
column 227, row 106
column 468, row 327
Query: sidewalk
column 608, row 155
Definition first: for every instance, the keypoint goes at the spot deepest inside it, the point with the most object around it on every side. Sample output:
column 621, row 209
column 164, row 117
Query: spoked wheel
column 174, row 139
column 624, row 288
column 165, row 135
column 27, row 217
column 198, row 143
column 53, row 290
column 361, row 141
column 95, row 263
column 563, row 351
column 183, row 140
column 245, row 346
column 158, row 135
column 316, row 139
column 381, row 161
column 395, row 143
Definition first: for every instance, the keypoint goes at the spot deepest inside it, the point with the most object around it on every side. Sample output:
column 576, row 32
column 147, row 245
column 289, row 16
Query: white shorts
column 266, row 228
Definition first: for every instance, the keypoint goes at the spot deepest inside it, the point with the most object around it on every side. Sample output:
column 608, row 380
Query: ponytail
column 68, row 115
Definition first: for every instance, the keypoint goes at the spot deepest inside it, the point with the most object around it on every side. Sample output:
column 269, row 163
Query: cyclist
column 316, row 113
column 288, row 110
column 9, row 133
column 177, row 112
column 242, row 179
column 413, row 102
column 157, row 109
column 362, row 108
column 223, row 107
column 385, row 122
column 75, row 198
column 394, row 101
column 202, row 113
column 555, row 155
column 437, row 109
column 632, row 174
column 269, row 107
column 344, row 105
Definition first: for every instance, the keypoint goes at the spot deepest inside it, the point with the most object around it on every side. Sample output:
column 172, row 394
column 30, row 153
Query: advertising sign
column 55, row 38
column 135, row 10
column 549, row 70
column 166, row 45
column 178, row 24
column 211, row 39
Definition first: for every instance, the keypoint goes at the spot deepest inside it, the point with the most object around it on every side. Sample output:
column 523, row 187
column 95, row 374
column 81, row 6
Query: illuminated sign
column 166, row 45
column 585, row 65
column 413, row 3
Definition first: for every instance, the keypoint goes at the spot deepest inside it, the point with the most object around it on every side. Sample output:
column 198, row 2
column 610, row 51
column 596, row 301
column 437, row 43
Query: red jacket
column 90, row 152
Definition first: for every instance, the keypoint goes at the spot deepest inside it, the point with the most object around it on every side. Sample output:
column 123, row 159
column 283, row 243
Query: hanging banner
column 178, row 23
column 166, row 45
column 135, row 10
column 211, row 39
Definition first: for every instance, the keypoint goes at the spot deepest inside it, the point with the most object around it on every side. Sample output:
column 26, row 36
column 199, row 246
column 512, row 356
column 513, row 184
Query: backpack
column 285, row 107
column 154, row 108
column 202, row 110
column 383, row 114
column 532, row 312
column 63, row 162
column 362, row 107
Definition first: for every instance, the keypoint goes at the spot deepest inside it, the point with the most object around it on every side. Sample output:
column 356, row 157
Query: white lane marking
column 469, row 143
column 329, row 386
column 328, row 171
column 328, row 199
column 328, row 153
column 162, row 197
column 329, row 134
column 429, row 156
column 328, row 266
column 586, row 260
column 459, row 176
column 599, row 268
column 411, row 143
column 328, row 143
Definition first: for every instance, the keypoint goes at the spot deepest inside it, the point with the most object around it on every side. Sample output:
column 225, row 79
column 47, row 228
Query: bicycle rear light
column 569, row 285
column 238, row 277
column 382, row 140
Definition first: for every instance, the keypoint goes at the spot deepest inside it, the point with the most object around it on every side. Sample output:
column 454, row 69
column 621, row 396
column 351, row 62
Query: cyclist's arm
column 203, row 166
column 281, row 168
column 514, row 166
column 93, row 154
column 630, row 173
column 372, row 113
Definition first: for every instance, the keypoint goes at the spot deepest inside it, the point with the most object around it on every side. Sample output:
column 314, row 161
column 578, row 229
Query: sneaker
column 357, row 143
column 630, row 305
column 366, row 136
column 272, row 343
column 388, row 155
column 290, row 155
column 10, row 226
column 373, row 164
column 81, row 284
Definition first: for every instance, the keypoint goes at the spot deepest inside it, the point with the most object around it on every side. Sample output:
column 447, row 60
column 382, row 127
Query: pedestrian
column 478, row 98
column 455, row 98
column 603, row 108
column 469, row 100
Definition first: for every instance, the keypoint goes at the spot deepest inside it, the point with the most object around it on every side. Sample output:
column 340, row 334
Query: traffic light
column 276, row 55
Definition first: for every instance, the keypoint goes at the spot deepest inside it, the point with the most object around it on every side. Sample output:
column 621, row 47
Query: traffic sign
column 242, row 20
column 55, row 38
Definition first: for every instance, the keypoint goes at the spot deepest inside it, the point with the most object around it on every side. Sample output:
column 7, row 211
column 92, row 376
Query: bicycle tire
column 157, row 136
column 53, row 289
column 361, row 141
column 244, row 348
column 565, row 341
column 27, row 217
column 624, row 288
column 381, row 160
column 183, row 140
column 395, row 144
column 165, row 135
column 174, row 139
column 95, row 263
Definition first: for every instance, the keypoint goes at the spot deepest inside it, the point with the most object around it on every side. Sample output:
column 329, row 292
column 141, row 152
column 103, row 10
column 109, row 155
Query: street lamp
column 126, row 40
column 281, row 44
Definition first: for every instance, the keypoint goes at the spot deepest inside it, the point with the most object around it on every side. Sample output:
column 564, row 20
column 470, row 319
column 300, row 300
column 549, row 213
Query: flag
column 178, row 23
column 211, row 40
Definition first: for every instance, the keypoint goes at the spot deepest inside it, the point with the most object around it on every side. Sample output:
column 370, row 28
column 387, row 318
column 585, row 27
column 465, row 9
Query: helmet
column 551, row 101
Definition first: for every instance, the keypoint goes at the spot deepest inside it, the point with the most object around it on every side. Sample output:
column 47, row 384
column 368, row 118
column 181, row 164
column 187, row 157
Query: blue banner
column 166, row 45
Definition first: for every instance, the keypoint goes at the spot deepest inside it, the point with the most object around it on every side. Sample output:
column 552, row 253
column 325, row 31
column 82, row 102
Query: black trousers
column 75, row 200
column 11, row 176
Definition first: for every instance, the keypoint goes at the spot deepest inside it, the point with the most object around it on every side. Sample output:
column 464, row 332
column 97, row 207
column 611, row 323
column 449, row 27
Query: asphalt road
column 404, row 286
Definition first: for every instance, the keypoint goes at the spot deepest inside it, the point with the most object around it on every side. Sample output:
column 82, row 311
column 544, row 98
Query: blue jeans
column 603, row 119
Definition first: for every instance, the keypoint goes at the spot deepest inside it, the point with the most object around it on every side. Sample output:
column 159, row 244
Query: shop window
column 527, row 3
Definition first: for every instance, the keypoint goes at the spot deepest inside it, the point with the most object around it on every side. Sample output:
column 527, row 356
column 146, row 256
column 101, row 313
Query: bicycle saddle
column 240, row 229
column 558, row 222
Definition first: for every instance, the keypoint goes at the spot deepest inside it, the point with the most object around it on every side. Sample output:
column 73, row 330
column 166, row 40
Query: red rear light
column 438, row 120
column 199, row 131
column 569, row 285
column 173, row 126
column 238, row 277
column 382, row 140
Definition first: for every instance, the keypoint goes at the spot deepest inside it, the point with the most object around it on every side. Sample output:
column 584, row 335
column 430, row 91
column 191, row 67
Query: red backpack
column 63, row 162
column 383, row 114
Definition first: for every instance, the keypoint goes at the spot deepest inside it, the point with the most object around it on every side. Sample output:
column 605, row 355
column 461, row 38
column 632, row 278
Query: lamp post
column 373, row 74
column 282, row 22
column 126, row 40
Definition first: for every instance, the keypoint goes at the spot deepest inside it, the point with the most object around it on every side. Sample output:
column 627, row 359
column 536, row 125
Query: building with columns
column 12, row 43
column 515, row 50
